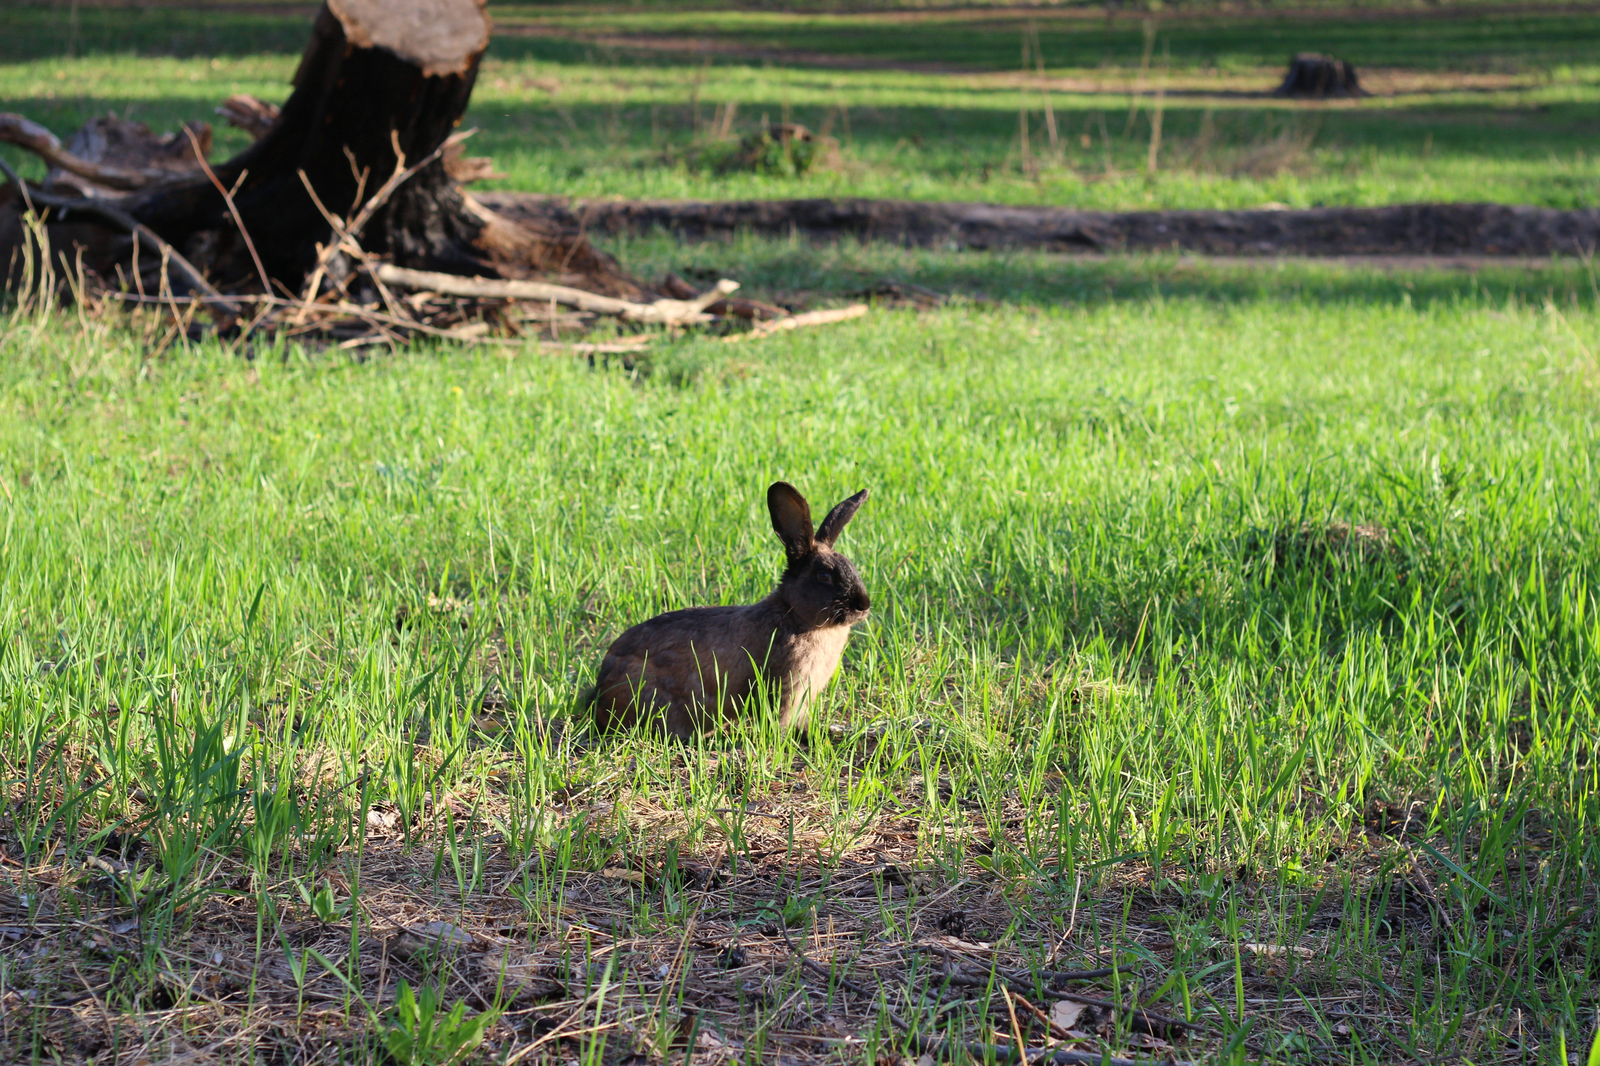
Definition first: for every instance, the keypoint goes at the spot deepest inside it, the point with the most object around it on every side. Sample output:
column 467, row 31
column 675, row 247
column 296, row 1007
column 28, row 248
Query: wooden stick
column 1056, row 1030
column 141, row 298
column 227, row 198
column 398, row 178
column 1016, row 1027
column 347, row 233
column 810, row 318
column 661, row 312
column 593, row 348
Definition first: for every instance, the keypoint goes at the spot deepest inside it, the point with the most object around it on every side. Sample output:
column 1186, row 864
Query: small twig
column 591, row 348
column 661, row 312
column 1057, row 1031
column 1011, row 1012
column 1039, row 1056
column 347, row 233
column 398, row 178
column 227, row 198
column 342, row 242
column 379, row 318
column 1077, row 975
column 1072, row 921
column 140, row 298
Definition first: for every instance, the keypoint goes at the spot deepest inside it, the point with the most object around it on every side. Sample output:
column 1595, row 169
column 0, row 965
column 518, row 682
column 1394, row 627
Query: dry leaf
column 1278, row 951
column 1065, row 1013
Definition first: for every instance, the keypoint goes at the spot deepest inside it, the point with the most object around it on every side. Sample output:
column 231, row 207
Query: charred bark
column 1318, row 77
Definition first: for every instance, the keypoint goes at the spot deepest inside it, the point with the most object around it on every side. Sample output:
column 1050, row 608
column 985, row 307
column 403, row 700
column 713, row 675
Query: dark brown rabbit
column 692, row 667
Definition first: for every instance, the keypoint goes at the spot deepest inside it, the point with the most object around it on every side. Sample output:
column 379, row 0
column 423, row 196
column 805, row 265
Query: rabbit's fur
column 691, row 667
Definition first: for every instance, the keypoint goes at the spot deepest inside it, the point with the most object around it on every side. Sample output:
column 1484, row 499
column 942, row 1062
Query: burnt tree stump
column 377, row 75
column 1319, row 77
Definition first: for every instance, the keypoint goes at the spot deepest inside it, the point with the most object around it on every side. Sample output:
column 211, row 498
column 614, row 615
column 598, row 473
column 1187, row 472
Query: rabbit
column 691, row 667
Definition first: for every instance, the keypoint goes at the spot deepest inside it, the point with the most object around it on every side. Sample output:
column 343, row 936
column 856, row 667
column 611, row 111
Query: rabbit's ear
column 791, row 519
column 834, row 524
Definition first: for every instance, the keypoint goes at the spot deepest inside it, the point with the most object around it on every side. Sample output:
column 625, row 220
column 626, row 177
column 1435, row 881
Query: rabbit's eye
column 825, row 577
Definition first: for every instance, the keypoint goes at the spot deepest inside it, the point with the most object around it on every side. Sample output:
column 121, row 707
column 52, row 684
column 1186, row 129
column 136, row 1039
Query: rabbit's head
column 819, row 586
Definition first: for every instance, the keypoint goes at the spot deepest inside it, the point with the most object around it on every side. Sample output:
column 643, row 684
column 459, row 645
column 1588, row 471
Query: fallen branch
column 247, row 113
column 233, row 208
column 596, row 347
column 1077, row 975
column 218, row 303
column 29, row 135
column 678, row 289
column 661, row 312
column 138, row 298
column 810, row 318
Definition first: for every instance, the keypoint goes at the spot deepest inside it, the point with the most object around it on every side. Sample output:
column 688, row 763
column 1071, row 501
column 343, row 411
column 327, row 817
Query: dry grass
column 656, row 949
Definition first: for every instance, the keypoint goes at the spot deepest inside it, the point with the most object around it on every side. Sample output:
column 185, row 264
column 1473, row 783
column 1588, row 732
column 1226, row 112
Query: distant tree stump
column 1319, row 77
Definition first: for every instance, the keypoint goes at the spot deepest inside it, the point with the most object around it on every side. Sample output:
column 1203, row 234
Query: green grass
column 562, row 114
column 1213, row 606
column 296, row 631
column 1504, row 41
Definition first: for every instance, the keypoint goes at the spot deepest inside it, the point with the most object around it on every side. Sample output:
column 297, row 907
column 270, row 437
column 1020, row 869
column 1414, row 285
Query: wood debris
column 345, row 222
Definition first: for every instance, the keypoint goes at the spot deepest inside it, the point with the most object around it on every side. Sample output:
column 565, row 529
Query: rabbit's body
column 694, row 666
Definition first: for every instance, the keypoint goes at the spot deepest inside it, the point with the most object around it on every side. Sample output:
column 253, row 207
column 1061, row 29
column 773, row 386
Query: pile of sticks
column 352, row 298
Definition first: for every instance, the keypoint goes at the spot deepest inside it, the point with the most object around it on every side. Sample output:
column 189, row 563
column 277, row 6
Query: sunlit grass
column 566, row 117
column 244, row 603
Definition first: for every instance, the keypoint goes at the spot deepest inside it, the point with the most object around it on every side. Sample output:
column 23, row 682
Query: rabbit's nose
column 860, row 602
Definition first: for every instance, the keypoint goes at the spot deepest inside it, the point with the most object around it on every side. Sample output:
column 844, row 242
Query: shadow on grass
column 1234, row 158
column 43, row 32
column 1498, row 41
column 783, row 268
column 975, row 133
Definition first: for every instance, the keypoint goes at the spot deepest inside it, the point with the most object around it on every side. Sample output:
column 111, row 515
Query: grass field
column 589, row 102
column 1233, row 629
